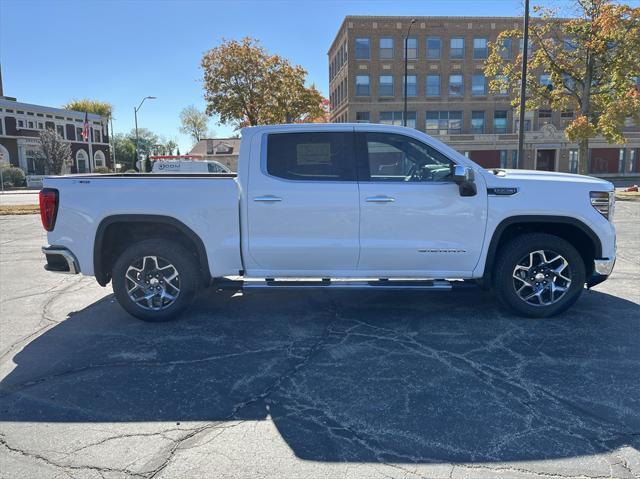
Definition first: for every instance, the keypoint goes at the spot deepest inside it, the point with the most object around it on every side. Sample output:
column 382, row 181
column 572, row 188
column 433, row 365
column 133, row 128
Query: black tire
column 511, row 256
column 167, row 252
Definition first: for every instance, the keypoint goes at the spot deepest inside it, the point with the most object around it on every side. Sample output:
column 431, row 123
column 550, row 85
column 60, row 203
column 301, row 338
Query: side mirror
column 465, row 178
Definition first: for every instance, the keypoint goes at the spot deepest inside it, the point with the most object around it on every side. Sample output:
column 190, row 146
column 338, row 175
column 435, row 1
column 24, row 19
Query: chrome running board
column 381, row 284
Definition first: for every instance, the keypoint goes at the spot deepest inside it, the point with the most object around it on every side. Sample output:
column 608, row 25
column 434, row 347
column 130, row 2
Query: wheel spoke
column 147, row 282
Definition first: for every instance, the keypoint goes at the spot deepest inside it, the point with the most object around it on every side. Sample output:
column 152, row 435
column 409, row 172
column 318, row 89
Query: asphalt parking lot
column 315, row 384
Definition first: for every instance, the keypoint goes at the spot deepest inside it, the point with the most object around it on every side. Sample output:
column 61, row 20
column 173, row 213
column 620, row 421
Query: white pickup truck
column 334, row 206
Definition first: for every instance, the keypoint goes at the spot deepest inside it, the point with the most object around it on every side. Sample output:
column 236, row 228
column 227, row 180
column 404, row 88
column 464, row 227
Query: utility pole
column 406, row 42
column 113, row 145
column 523, row 83
column 135, row 115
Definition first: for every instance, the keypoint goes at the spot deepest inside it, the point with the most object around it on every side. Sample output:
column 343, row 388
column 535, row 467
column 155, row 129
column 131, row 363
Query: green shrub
column 13, row 176
column 101, row 170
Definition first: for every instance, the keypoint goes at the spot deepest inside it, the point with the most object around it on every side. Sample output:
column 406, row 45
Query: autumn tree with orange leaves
column 593, row 61
column 246, row 86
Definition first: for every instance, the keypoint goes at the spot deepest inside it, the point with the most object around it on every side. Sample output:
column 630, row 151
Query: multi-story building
column 448, row 95
column 21, row 124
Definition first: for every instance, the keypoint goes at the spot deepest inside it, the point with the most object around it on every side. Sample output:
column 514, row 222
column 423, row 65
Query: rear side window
column 311, row 156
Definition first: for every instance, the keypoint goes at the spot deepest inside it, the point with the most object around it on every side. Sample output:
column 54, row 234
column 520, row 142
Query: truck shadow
column 357, row 376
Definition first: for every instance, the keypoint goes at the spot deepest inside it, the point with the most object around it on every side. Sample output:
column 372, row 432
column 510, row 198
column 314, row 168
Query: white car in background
column 189, row 166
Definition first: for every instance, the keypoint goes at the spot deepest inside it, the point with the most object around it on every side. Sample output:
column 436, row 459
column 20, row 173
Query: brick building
column 21, row 123
column 448, row 94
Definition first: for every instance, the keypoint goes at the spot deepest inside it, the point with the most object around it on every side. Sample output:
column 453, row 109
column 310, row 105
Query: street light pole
column 406, row 57
column 135, row 116
column 523, row 82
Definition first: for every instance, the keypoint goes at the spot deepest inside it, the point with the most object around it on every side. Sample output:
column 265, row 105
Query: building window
column 456, row 87
column 79, row 134
column 456, row 48
column 97, row 135
column 573, row 161
column 504, row 158
column 478, row 85
column 31, row 125
column 395, row 118
column 514, row 159
column 362, row 85
column 60, row 130
column 444, row 122
column 521, row 47
column 363, row 117
column 412, row 86
column 500, row 121
column 544, row 117
column 434, row 48
column 633, row 164
column 20, row 123
column 621, row 158
column 363, row 48
column 569, row 45
column 82, row 160
column 98, row 158
column 1, row 126
column 568, row 82
column 385, row 85
column 35, row 165
column 504, row 85
column 527, row 124
column 433, row 85
column 477, row 122
column 40, row 125
column 386, row 48
column 412, row 48
column 479, row 48
column 545, row 80
column 505, row 48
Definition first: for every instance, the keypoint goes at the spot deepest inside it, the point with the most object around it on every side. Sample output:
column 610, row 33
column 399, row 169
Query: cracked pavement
column 315, row 384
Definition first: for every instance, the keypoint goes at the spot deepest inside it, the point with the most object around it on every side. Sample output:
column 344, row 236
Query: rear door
column 303, row 205
column 413, row 220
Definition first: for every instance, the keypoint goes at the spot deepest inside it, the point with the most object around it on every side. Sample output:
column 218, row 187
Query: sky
column 53, row 51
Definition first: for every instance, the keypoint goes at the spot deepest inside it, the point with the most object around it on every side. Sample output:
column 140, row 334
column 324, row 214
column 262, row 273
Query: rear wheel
column 539, row 275
column 155, row 280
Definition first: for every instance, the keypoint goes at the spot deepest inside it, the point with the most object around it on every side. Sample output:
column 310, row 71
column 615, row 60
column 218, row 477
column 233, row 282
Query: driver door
column 413, row 221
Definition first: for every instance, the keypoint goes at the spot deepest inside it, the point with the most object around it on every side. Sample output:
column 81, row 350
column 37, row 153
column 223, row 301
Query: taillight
column 48, row 207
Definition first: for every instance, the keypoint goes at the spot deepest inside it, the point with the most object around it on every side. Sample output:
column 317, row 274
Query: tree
column 97, row 107
column 170, row 147
column 194, row 123
column 54, row 152
column 147, row 140
column 245, row 85
column 125, row 150
column 591, row 61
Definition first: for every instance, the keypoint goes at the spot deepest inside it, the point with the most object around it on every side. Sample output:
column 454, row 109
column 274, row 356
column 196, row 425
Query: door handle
column 267, row 199
column 380, row 199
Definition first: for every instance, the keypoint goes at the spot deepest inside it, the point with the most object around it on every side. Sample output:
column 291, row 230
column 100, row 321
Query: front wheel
column 539, row 275
column 155, row 280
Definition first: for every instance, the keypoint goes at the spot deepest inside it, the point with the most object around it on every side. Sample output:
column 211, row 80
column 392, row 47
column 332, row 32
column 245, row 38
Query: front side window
column 398, row 158
column 456, row 88
column 412, row 48
column 362, row 85
column 434, row 48
column 500, row 121
column 433, row 85
column 385, row 85
column 311, row 156
column 456, row 48
column 479, row 48
column 386, row 48
column 444, row 122
column 363, row 49
column 412, row 85
column 478, row 85
column 477, row 122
